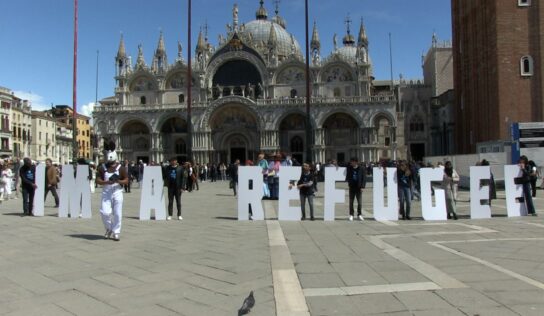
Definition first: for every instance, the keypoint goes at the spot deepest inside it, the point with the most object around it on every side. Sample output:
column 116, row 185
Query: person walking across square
column 51, row 181
column 113, row 177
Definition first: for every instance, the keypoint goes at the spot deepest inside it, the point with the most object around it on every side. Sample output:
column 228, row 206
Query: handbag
column 521, row 180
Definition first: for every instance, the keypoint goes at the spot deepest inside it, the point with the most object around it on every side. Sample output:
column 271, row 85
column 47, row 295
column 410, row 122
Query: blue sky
column 37, row 37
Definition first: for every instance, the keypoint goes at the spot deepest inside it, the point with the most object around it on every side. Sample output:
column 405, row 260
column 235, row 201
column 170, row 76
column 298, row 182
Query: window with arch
column 181, row 98
column 297, row 144
column 294, row 93
column 143, row 100
column 526, row 64
column 181, row 147
column 417, row 125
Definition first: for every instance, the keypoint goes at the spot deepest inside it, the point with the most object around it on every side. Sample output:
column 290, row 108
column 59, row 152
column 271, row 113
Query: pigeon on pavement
column 248, row 304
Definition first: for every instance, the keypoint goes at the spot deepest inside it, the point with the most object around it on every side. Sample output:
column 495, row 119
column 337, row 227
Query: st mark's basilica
column 249, row 95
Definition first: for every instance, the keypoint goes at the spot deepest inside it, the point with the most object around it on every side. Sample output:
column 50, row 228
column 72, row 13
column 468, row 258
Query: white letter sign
column 429, row 212
column 75, row 193
column 250, row 196
column 152, row 194
column 513, row 191
column 287, row 212
column 382, row 212
column 333, row 195
column 40, row 190
column 479, row 192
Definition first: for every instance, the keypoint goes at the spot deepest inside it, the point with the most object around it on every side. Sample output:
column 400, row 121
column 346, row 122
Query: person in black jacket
column 404, row 182
column 233, row 174
column 305, row 186
column 356, row 179
column 526, row 170
column 28, row 183
column 175, row 178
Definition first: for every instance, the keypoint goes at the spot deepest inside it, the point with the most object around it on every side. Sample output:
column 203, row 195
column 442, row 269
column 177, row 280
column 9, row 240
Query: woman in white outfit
column 92, row 176
column 112, row 178
column 6, row 177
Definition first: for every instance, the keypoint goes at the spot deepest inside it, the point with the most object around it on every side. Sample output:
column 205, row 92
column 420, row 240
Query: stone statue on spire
column 235, row 16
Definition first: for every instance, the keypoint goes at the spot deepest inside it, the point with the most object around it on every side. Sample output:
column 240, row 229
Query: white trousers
column 112, row 209
column 92, row 184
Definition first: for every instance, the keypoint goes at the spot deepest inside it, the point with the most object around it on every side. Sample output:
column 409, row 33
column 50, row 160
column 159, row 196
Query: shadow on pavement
column 227, row 218
column 14, row 214
column 87, row 236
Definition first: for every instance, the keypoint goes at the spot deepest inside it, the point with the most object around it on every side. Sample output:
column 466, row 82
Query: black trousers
column 533, row 186
column 355, row 193
column 174, row 192
column 28, row 200
column 127, row 186
column 53, row 190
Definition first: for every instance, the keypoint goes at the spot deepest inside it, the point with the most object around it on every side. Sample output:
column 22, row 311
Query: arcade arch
column 234, row 133
column 341, row 136
column 135, row 141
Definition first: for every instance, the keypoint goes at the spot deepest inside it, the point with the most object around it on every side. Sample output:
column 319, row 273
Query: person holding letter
column 175, row 179
column 305, row 186
column 28, row 180
column 526, row 170
column 112, row 178
column 356, row 179
column 448, row 184
column 404, row 180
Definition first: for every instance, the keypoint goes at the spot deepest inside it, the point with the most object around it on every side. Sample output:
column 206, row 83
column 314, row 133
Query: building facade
column 21, row 127
column 498, row 75
column 438, row 67
column 260, row 108
column 64, row 149
column 6, row 100
column 64, row 114
column 44, row 129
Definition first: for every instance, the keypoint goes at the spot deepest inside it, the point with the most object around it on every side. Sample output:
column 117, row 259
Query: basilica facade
column 249, row 96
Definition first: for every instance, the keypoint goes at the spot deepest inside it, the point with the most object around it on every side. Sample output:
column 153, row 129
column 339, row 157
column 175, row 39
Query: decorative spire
column 349, row 40
column 272, row 37
column 160, row 46
column 180, row 51
column 277, row 18
column 121, row 53
column 261, row 12
column 315, row 43
column 140, row 62
column 201, row 44
column 234, row 16
column 363, row 39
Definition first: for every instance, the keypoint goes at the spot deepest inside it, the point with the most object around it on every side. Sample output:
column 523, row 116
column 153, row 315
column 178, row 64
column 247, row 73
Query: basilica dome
column 347, row 52
column 260, row 33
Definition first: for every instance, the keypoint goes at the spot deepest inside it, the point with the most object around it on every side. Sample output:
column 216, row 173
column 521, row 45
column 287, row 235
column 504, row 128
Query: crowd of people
column 117, row 178
column 408, row 181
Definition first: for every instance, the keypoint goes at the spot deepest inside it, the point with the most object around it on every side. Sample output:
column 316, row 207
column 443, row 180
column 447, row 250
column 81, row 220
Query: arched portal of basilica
column 249, row 96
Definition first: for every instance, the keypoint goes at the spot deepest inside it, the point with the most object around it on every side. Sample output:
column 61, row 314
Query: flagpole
column 189, row 86
column 308, row 91
column 75, row 148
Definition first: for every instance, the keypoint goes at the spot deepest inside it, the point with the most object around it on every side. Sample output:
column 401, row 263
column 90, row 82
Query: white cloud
column 87, row 109
column 37, row 101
